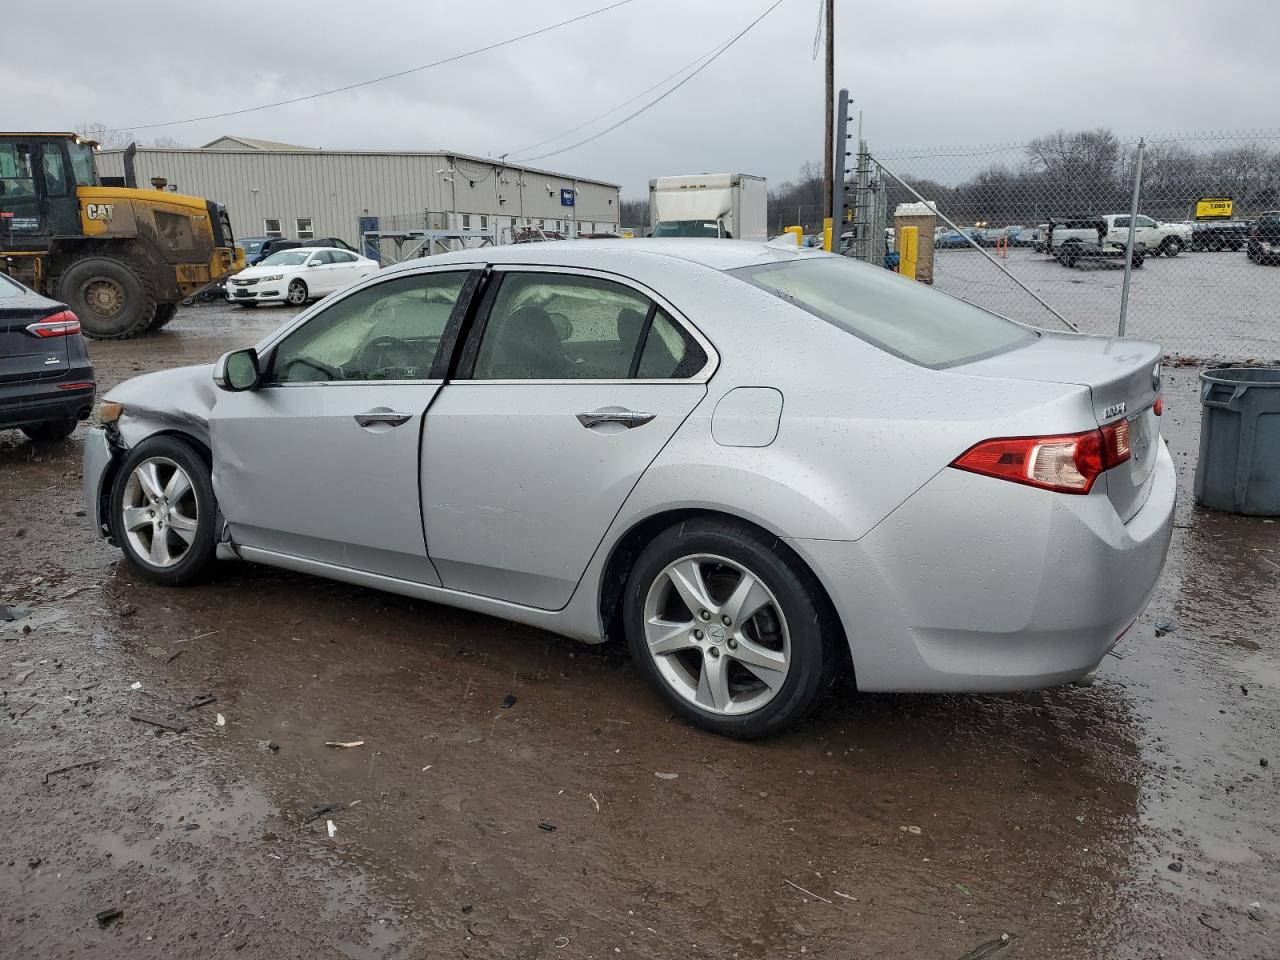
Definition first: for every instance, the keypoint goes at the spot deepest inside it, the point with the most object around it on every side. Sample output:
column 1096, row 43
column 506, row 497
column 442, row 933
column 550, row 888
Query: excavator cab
column 39, row 174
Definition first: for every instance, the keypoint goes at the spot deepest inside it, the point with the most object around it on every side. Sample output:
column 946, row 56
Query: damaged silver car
column 755, row 463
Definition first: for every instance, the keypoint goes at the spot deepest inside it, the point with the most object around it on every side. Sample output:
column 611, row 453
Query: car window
column 285, row 258
column 9, row 289
column 907, row 319
column 16, row 175
column 321, row 258
column 341, row 256
column 670, row 352
column 545, row 326
column 389, row 331
column 1122, row 223
column 1146, row 222
column 55, row 171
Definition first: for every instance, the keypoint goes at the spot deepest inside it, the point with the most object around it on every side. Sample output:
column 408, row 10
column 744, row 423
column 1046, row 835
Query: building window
column 484, row 222
column 466, row 221
column 542, row 224
column 271, row 227
column 304, row 228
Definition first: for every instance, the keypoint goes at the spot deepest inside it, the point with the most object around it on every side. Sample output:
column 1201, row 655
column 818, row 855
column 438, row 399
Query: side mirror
column 237, row 370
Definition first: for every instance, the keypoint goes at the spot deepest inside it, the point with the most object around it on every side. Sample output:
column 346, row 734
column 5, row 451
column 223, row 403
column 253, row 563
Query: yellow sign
column 1213, row 208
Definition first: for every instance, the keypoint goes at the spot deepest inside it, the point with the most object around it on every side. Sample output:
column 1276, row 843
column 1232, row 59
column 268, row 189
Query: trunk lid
column 23, row 355
column 1123, row 378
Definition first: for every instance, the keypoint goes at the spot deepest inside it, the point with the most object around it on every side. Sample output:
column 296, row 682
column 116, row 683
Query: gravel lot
column 887, row 826
column 1197, row 304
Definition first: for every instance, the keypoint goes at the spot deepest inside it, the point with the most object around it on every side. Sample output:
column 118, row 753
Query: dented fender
column 177, row 400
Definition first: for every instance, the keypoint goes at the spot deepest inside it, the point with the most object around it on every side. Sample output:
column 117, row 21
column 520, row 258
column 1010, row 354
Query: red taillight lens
column 1158, row 407
column 62, row 324
column 1064, row 464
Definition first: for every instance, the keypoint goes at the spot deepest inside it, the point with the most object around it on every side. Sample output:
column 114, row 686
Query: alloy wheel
column 297, row 293
column 159, row 511
column 717, row 634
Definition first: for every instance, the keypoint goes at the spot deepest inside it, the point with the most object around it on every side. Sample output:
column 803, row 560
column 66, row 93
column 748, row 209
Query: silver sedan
column 754, row 463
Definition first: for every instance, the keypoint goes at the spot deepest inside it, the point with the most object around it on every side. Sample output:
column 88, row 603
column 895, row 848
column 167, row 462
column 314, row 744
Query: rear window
column 907, row 319
column 9, row 289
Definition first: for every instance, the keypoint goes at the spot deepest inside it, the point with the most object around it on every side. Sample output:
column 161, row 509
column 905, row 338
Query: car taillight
column 1064, row 464
column 62, row 324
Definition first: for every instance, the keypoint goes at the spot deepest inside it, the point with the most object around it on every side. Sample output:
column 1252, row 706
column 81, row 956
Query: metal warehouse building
column 279, row 189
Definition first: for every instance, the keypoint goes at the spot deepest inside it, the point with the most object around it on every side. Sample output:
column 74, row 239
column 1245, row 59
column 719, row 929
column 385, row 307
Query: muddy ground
column 885, row 827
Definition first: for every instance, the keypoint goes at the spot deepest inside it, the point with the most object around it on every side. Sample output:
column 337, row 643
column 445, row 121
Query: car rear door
column 321, row 460
column 569, row 385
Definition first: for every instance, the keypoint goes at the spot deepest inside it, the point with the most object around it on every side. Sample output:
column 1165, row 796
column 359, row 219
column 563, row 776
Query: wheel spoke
column 686, row 577
column 184, row 527
column 713, row 684
column 747, row 599
column 135, row 518
column 148, row 475
column 160, row 555
column 178, row 486
column 665, row 637
column 769, row 666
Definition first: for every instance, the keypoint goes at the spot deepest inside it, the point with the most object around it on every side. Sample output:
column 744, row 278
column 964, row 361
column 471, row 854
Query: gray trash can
column 1239, row 466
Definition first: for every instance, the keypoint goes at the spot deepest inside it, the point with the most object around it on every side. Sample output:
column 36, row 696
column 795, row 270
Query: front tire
column 163, row 509
column 1172, row 247
column 109, row 296
column 50, row 431
column 729, row 628
column 297, row 293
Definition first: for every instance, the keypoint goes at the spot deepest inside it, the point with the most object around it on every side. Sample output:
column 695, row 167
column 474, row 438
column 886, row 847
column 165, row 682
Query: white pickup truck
column 1156, row 237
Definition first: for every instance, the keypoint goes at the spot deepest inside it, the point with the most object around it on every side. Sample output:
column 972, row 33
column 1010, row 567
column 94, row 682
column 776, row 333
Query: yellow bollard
column 908, row 251
column 798, row 232
column 826, row 234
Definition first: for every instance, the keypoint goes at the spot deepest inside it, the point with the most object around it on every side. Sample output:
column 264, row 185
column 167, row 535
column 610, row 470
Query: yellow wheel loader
column 122, row 258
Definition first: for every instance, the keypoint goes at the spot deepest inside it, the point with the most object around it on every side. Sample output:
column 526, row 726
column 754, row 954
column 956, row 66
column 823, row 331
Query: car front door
column 322, row 276
column 569, row 385
column 320, row 461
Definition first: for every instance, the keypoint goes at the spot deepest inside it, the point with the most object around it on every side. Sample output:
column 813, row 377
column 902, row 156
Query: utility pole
column 828, row 151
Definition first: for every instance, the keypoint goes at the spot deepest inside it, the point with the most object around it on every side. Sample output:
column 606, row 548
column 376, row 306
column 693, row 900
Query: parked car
column 1040, row 244
column 298, row 275
column 1264, row 241
column 1087, row 239
column 252, row 247
column 1215, row 235
column 46, row 380
column 957, row 239
column 591, row 438
column 1169, row 239
column 1025, row 237
column 276, row 244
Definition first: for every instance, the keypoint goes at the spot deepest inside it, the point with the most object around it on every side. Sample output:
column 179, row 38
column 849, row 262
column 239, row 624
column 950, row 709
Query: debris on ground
column 592, row 798
column 108, row 916
column 984, row 950
column 466, row 908
column 13, row 611
column 319, row 810
column 1165, row 626
column 268, row 746
column 73, row 766
column 1211, row 923
column 1262, row 762
column 1175, row 866
column 136, row 685
column 344, row 744
column 665, row 776
column 202, row 701
column 913, row 829
column 177, row 726
column 221, row 721
column 508, row 701
column 329, row 825
column 22, row 677
column 807, row 893
column 175, row 655
column 548, row 827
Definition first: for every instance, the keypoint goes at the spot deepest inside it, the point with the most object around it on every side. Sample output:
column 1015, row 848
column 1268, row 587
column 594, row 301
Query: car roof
column 620, row 255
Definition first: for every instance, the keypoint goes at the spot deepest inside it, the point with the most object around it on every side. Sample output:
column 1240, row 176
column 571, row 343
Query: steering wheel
column 330, row 373
column 372, row 353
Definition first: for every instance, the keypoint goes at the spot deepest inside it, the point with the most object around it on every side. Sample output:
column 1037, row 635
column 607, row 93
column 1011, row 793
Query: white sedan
column 298, row 275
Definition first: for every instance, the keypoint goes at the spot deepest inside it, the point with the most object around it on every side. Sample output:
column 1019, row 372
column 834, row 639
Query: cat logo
column 99, row 211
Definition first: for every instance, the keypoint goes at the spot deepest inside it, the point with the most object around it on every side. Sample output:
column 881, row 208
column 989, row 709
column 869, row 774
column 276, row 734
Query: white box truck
column 725, row 205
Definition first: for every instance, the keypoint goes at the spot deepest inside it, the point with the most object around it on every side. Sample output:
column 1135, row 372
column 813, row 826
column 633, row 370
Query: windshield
column 687, row 228
column 250, row 247
column 905, row 318
column 8, row 288
column 287, row 258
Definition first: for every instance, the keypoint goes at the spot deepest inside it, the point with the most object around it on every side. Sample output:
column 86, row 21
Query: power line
column 659, row 99
column 389, row 76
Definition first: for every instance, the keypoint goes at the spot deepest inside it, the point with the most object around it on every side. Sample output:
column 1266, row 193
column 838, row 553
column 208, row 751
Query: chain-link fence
column 1043, row 230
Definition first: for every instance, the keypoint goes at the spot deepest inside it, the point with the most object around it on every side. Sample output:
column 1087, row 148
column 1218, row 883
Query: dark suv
column 277, row 244
column 46, row 381
column 1264, row 239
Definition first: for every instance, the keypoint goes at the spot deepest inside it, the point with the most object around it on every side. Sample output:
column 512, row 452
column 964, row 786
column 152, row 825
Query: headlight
column 108, row 412
column 278, row 276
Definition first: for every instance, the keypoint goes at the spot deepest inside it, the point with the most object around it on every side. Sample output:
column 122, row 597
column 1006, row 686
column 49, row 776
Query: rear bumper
column 981, row 586
column 27, row 404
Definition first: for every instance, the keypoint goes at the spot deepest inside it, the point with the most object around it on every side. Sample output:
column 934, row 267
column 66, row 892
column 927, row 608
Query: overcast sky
column 930, row 72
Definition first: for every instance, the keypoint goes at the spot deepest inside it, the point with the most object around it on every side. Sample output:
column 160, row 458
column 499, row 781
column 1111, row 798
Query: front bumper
column 98, row 455
column 259, row 292
column 977, row 585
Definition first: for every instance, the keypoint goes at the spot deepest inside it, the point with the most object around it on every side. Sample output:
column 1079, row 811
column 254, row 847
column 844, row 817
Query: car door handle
column 390, row 417
column 628, row 418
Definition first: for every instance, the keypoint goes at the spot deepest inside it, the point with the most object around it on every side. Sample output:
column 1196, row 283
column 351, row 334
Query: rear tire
column 162, row 510
column 164, row 313
column 111, row 297
column 1172, row 247
column 50, row 431
column 745, row 679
